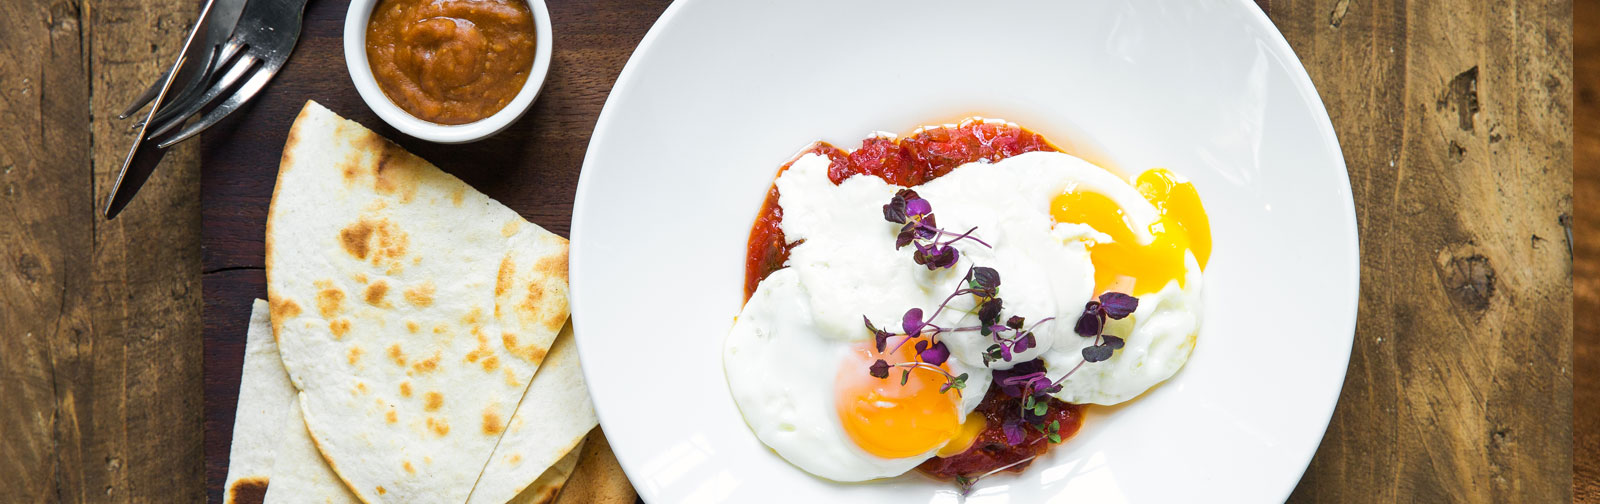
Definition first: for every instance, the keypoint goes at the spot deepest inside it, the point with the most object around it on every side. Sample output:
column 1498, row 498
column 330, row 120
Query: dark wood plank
column 99, row 321
column 1586, row 235
column 1455, row 121
column 532, row 167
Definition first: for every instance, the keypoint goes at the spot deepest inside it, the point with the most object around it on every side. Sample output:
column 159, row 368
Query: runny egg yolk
column 1182, row 226
column 889, row 419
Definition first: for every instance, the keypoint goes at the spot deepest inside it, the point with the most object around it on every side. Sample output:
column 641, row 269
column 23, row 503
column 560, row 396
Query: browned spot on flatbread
column 355, row 238
column 550, row 309
column 490, row 363
column 329, row 299
column 396, row 172
column 360, row 277
column 427, row 365
column 456, row 195
column 407, row 466
column 354, row 355
column 396, row 355
column 483, row 346
column 439, row 426
column 516, row 458
column 431, row 401
column 375, row 240
column 390, row 416
column 502, row 280
column 405, row 389
column 375, row 293
column 420, row 294
column 492, row 424
column 511, row 227
column 530, row 352
column 412, row 326
column 511, row 378
column 553, row 266
column 361, row 388
column 381, row 491
column 282, row 310
column 252, row 490
column 473, row 316
column 339, row 328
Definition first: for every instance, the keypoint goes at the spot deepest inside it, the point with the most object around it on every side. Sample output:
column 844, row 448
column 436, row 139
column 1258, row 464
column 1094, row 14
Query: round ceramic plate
column 721, row 92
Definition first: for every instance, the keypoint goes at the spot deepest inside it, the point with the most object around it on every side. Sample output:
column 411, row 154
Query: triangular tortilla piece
column 598, row 479
column 552, row 421
column 548, row 485
column 410, row 309
column 263, row 390
column 300, row 476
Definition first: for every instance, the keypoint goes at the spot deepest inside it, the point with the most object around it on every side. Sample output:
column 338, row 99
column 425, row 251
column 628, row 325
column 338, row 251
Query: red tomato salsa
column 911, row 161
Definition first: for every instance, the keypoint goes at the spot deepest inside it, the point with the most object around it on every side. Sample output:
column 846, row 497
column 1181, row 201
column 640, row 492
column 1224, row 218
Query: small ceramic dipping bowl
column 355, row 57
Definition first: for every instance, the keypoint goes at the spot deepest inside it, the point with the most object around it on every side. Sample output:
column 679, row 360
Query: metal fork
column 266, row 35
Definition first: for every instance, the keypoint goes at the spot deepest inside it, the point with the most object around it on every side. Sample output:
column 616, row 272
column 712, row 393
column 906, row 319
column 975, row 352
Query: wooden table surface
column 120, row 341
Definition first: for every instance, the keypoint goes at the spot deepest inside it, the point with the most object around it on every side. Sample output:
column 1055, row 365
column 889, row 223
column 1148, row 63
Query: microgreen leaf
column 1096, row 353
column 879, row 369
column 1118, row 305
column 1091, row 322
column 1024, row 343
column 906, row 236
column 989, row 311
column 1013, row 431
column 895, row 210
column 1113, row 342
column 911, row 323
column 905, row 376
column 985, row 282
column 935, row 354
column 1040, row 407
column 880, row 337
column 1015, row 322
column 917, row 206
column 958, row 383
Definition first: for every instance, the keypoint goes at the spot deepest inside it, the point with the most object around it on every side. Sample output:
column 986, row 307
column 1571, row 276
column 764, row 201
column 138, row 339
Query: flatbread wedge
column 552, row 421
column 410, row 310
column 263, row 391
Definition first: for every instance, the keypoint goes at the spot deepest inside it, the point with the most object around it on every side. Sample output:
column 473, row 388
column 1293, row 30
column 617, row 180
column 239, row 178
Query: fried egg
column 1060, row 230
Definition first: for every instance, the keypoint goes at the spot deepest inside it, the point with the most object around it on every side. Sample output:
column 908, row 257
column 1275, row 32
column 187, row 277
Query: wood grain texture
column 99, row 321
column 1455, row 121
column 1586, row 235
column 1455, row 118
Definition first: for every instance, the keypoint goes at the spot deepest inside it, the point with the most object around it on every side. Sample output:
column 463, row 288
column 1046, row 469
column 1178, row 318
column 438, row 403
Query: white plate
column 723, row 91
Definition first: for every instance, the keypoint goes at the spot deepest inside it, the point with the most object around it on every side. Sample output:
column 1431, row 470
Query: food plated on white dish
column 717, row 381
column 1006, row 279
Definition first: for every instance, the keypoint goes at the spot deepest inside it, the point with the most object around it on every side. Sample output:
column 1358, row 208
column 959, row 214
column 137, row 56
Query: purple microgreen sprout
column 965, row 484
column 921, row 229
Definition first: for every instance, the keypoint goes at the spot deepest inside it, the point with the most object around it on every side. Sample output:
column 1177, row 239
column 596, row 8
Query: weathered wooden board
column 99, row 321
column 1586, row 234
column 1455, row 118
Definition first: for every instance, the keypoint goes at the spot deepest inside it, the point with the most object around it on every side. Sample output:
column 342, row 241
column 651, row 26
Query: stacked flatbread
column 414, row 354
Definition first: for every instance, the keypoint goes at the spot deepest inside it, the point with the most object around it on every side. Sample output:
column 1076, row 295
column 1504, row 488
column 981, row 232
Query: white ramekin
column 355, row 59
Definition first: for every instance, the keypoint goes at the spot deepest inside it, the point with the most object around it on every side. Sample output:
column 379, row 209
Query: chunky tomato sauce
column 990, row 450
column 913, row 161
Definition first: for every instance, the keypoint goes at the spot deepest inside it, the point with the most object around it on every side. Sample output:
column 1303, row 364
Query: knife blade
column 145, row 153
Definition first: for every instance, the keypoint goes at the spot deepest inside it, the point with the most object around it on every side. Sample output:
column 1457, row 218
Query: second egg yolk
column 1181, row 226
column 889, row 419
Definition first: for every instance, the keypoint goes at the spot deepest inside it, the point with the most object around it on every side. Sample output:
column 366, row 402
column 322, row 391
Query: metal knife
column 142, row 159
